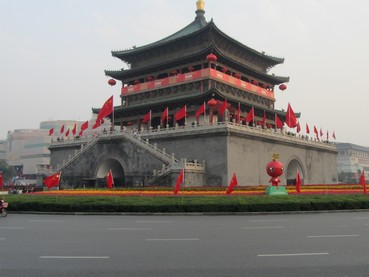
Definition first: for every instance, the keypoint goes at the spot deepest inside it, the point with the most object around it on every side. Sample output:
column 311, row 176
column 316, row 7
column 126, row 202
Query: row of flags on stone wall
column 106, row 110
column 291, row 119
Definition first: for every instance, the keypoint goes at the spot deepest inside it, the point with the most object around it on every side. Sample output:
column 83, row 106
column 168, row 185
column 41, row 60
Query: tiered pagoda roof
column 210, row 39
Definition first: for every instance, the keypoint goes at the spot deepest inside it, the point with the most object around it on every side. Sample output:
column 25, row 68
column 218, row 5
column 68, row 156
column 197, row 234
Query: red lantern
column 212, row 102
column 224, row 69
column 191, row 68
column 237, row 75
column 211, row 58
column 137, row 82
column 112, row 82
column 254, row 82
column 282, row 87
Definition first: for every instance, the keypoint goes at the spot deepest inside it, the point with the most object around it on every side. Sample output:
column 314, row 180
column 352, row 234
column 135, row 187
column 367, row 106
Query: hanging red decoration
column 237, row 75
column 112, row 82
column 211, row 58
column 174, row 72
column 224, row 69
column 191, row 68
column 137, row 82
column 254, row 82
column 282, row 87
column 212, row 102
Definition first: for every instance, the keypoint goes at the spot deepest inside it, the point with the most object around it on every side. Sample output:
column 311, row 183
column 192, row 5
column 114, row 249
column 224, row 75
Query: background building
column 351, row 160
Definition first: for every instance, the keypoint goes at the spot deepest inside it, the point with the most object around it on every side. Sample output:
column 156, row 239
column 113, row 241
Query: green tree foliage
column 7, row 170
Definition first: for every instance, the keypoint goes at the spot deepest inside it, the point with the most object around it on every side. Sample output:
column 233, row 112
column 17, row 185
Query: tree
column 7, row 170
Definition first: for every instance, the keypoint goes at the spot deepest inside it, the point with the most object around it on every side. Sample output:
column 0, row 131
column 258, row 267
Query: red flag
column 298, row 127
column 362, row 181
column 109, row 179
column 278, row 123
column 1, row 181
column 307, row 129
column 147, row 117
column 239, row 113
column 181, row 113
column 298, row 182
column 232, row 184
column 291, row 120
column 334, row 135
column 106, row 109
column 263, row 121
column 74, row 130
column 201, row 110
column 97, row 123
column 51, row 131
column 165, row 114
column 84, row 126
column 180, row 180
column 321, row 132
column 223, row 107
column 53, row 180
column 316, row 131
column 62, row 129
column 250, row 115
column 67, row 133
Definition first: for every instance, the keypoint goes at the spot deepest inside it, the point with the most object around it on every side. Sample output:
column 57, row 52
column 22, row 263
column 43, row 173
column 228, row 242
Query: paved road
column 327, row 244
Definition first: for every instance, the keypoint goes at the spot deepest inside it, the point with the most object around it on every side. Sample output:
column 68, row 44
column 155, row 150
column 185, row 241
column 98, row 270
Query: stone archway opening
column 117, row 170
column 291, row 172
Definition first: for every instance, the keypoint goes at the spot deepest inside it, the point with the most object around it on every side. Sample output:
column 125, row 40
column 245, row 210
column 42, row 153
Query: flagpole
column 204, row 112
column 113, row 115
column 185, row 115
column 167, row 114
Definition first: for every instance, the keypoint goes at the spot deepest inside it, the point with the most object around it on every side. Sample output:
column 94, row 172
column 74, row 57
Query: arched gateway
column 291, row 171
column 115, row 167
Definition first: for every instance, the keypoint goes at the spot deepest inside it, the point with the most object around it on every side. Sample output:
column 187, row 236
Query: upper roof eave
column 193, row 29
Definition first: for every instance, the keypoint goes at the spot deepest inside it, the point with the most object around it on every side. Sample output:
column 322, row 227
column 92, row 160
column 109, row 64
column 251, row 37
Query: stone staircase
column 135, row 139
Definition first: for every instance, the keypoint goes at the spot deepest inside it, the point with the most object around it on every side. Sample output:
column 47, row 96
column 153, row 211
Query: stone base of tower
column 209, row 153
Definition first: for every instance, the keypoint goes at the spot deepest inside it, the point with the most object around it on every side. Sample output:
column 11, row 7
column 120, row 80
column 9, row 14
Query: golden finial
column 200, row 5
column 275, row 156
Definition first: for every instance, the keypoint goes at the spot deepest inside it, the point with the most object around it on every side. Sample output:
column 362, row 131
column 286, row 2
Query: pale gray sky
column 53, row 54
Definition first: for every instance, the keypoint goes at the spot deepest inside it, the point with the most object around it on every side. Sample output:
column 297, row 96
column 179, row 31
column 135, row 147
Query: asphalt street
column 316, row 244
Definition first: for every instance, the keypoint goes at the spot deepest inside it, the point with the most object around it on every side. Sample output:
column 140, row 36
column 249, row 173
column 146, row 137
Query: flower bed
column 317, row 189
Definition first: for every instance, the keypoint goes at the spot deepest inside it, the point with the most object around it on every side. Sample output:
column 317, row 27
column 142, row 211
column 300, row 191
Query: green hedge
column 184, row 204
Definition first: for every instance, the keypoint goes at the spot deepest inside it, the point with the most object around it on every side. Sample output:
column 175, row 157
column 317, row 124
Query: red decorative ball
column 212, row 102
column 211, row 58
column 282, row 87
column 112, row 82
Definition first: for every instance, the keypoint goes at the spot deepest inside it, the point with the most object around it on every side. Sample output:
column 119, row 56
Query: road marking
column 292, row 254
column 13, row 228
column 142, row 221
column 74, row 257
column 129, row 229
column 45, row 221
column 268, row 220
column 265, row 227
column 333, row 236
column 188, row 239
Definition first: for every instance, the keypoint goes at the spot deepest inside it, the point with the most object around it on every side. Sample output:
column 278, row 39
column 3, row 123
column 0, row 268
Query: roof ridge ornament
column 200, row 5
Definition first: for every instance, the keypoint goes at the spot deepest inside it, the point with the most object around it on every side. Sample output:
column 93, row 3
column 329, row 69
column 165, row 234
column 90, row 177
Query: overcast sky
column 54, row 53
